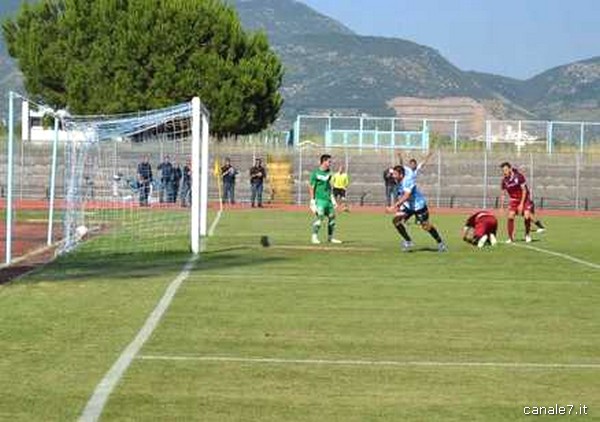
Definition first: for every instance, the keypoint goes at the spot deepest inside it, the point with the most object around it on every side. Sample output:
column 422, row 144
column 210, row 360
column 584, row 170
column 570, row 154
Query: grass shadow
column 84, row 265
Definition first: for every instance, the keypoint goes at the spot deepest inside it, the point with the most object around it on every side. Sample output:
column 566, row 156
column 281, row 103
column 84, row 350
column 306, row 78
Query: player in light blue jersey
column 411, row 202
column 412, row 170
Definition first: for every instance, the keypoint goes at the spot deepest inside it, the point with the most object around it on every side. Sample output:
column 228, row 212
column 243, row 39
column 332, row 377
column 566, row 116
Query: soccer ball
column 81, row 231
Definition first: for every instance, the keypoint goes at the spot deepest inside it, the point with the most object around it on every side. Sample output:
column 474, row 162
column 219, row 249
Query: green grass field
column 357, row 332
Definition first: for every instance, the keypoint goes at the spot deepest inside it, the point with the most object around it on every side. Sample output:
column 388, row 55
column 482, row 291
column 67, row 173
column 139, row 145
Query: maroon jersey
column 479, row 216
column 483, row 222
column 513, row 185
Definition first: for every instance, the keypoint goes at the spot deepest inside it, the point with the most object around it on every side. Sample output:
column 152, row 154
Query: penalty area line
column 346, row 362
column 97, row 401
column 99, row 398
column 560, row 255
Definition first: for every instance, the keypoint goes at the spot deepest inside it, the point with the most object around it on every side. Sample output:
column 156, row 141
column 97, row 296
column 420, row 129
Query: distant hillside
column 571, row 91
column 331, row 69
column 286, row 18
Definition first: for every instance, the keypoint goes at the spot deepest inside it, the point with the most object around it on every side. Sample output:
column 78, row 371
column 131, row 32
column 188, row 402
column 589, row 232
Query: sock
column 511, row 228
column 331, row 227
column 401, row 229
column 527, row 226
column 316, row 226
column 434, row 233
column 539, row 224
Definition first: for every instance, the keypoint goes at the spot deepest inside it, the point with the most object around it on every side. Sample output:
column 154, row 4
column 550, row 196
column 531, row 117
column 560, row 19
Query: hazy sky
column 517, row 38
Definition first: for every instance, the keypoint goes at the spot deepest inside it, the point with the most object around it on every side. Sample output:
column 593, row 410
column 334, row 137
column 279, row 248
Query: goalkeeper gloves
column 313, row 206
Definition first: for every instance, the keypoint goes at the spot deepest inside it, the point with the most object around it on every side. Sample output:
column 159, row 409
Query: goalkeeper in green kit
column 322, row 202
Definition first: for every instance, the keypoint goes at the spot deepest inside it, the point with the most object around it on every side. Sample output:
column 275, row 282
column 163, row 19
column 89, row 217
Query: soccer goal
column 126, row 183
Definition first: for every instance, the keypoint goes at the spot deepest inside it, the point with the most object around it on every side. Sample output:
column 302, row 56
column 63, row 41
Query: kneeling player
column 412, row 202
column 480, row 228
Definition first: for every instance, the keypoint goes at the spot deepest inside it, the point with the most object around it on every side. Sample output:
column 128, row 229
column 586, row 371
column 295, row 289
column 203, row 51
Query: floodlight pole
column 53, row 181
column 9, row 177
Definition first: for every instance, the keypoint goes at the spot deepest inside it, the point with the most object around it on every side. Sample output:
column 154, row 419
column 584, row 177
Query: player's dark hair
column 325, row 157
column 505, row 164
column 412, row 160
column 399, row 169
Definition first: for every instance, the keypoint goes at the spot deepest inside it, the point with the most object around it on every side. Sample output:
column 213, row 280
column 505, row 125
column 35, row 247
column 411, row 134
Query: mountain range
column 331, row 69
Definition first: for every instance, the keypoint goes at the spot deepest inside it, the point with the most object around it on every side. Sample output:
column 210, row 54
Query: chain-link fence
column 448, row 134
column 464, row 179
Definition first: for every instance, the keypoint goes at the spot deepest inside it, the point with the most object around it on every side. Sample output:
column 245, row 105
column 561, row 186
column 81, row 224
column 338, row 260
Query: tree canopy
column 113, row 56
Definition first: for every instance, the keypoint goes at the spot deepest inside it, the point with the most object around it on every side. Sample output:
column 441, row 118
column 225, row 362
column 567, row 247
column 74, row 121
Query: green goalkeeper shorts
column 325, row 208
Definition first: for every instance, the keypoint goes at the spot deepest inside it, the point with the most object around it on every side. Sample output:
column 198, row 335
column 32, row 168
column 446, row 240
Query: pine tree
column 107, row 56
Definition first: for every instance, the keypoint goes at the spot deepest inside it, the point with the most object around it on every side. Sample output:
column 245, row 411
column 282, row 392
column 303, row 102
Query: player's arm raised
column 400, row 158
column 425, row 160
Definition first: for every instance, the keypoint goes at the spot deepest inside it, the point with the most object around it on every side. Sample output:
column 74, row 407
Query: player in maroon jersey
column 480, row 228
column 534, row 220
column 515, row 185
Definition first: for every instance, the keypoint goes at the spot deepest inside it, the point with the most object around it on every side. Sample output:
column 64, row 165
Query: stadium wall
column 464, row 179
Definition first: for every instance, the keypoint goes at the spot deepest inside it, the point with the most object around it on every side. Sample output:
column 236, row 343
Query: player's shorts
column 339, row 193
column 325, row 208
column 421, row 215
column 513, row 206
column 485, row 225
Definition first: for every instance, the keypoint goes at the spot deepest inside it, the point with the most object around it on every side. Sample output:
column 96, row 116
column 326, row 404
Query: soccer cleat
column 528, row 239
column 442, row 247
column 509, row 241
column 315, row 240
column 493, row 240
column 334, row 241
column 482, row 241
column 407, row 245
column 540, row 230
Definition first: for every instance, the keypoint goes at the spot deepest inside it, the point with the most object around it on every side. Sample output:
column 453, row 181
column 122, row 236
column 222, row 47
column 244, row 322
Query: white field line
column 344, row 362
column 96, row 403
column 213, row 226
column 301, row 278
column 561, row 255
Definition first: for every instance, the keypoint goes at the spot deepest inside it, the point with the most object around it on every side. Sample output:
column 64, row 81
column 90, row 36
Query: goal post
column 200, row 151
column 123, row 183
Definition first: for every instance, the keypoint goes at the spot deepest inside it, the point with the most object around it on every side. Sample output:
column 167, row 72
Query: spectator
column 176, row 181
column 340, row 182
column 166, row 180
column 390, row 186
column 144, row 172
column 257, row 178
column 186, row 185
column 228, row 174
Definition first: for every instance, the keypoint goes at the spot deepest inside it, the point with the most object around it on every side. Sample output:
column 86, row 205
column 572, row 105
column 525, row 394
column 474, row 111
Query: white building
column 33, row 130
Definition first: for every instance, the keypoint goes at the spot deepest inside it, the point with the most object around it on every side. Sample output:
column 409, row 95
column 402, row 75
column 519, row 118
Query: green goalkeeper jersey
column 320, row 180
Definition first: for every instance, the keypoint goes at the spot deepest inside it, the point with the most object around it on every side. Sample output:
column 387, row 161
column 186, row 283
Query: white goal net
column 136, row 182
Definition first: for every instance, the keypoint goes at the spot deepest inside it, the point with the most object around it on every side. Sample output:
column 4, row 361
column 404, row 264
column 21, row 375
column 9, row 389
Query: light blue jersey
column 416, row 201
column 411, row 175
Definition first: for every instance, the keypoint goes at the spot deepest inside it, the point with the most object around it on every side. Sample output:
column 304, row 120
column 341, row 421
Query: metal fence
column 463, row 179
column 365, row 132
